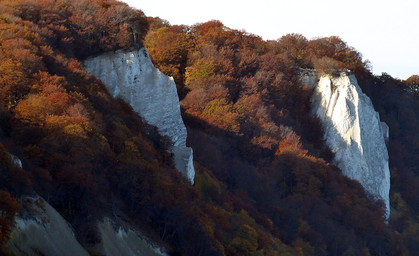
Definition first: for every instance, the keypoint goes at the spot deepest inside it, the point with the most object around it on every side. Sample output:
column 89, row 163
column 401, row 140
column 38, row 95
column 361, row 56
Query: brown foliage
column 248, row 123
column 245, row 95
column 8, row 209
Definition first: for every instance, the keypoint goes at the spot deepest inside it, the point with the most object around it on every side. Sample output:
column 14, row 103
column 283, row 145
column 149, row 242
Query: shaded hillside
column 249, row 89
column 398, row 104
column 263, row 183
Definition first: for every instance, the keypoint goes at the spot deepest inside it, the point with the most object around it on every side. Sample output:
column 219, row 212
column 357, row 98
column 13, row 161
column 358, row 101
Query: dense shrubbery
column 263, row 182
column 247, row 110
column 89, row 154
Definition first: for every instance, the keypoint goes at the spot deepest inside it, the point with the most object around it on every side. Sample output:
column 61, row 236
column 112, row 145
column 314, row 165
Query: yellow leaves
column 208, row 71
column 11, row 72
column 36, row 109
column 167, row 44
column 74, row 130
column 31, row 110
column 222, row 114
column 50, row 106
column 217, row 106
column 130, row 146
column 196, row 100
column 244, row 215
column 208, row 186
column 69, row 125
column 198, row 75
column 169, row 49
column 60, row 121
column 246, row 240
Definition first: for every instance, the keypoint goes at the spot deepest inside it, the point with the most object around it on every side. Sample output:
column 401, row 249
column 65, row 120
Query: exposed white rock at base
column 119, row 241
column 132, row 76
column 353, row 131
column 44, row 233
column 15, row 160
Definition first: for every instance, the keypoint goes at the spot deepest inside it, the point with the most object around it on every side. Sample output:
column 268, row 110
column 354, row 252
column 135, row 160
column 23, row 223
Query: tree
column 294, row 46
column 327, row 66
column 169, row 49
column 413, row 84
column 13, row 83
column 8, row 209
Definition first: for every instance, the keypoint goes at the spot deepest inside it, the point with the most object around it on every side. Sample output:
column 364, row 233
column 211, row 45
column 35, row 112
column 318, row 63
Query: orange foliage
column 248, row 123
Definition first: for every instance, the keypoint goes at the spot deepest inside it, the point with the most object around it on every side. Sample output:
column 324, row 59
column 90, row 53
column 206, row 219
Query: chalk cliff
column 15, row 160
column 116, row 240
column 42, row 231
column 132, row 76
column 352, row 130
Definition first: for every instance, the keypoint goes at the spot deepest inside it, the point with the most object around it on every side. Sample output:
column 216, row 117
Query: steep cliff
column 116, row 240
column 353, row 131
column 15, row 160
column 42, row 231
column 153, row 95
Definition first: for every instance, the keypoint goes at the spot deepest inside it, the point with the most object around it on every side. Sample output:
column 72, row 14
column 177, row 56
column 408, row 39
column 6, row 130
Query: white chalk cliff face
column 42, row 232
column 153, row 95
column 353, row 131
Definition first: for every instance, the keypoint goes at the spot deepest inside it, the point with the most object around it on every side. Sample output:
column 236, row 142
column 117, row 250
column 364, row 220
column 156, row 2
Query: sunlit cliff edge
column 352, row 130
column 132, row 76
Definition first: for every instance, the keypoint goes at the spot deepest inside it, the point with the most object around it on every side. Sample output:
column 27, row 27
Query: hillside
column 264, row 179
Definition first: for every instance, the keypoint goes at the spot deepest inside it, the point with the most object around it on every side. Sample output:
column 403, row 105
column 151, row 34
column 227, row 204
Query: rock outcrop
column 132, row 76
column 15, row 160
column 43, row 231
column 116, row 241
column 352, row 130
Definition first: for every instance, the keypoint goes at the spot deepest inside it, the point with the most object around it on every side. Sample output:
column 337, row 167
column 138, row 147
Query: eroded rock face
column 116, row 241
column 15, row 160
column 353, row 131
column 153, row 95
column 42, row 232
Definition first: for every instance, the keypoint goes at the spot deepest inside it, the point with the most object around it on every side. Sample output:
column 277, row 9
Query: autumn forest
column 264, row 184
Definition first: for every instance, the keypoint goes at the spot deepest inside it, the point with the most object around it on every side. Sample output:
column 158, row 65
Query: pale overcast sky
column 385, row 32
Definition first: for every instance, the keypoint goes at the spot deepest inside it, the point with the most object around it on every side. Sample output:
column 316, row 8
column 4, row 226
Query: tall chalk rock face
column 132, row 76
column 353, row 131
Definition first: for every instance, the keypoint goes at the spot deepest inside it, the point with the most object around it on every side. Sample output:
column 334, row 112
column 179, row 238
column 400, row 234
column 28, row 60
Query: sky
column 385, row 32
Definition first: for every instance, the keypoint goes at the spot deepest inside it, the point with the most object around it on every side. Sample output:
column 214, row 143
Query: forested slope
column 264, row 184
